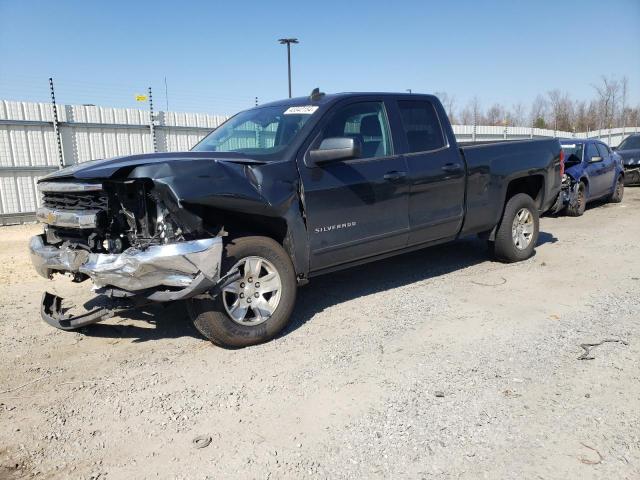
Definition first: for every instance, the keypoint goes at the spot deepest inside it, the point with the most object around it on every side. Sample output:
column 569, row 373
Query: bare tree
column 517, row 115
column 472, row 113
column 554, row 97
column 448, row 102
column 495, row 115
column 592, row 115
column 581, row 119
column 607, row 91
column 561, row 110
column 624, row 91
column 538, row 112
column 557, row 110
column 633, row 117
column 466, row 116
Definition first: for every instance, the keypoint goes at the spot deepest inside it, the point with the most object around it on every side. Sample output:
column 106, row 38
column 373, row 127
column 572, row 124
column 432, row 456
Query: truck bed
column 491, row 167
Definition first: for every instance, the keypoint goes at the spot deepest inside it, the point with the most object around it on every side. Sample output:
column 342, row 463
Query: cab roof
column 330, row 98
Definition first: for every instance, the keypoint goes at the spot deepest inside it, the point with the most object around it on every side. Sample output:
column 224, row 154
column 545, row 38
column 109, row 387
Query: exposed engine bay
column 113, row 216
column 129, row 237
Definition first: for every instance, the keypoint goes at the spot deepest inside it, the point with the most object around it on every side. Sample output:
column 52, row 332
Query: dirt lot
column 435, row 364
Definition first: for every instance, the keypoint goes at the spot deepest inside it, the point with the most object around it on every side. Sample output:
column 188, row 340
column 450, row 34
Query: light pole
column 288, row 42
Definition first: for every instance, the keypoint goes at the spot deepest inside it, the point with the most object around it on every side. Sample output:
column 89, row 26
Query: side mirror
column 614, row 148
column 336, row 148
column 595, row 159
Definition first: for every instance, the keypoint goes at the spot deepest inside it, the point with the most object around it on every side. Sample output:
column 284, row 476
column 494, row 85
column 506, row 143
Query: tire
column 618, row 191
column 212, row 317
column 518, row 231
column 577, row 208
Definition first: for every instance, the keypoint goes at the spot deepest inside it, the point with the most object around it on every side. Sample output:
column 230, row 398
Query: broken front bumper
column 632, row 175
column 187, row 268
column 567, row 196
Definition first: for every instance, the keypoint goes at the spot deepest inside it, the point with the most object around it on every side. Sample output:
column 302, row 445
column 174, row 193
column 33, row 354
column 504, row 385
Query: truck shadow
column 158, row 322
column 172, row 321
column 405, row 269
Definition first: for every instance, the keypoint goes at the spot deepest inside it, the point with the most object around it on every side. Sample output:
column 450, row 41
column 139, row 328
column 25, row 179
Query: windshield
column 572, row 152
column 260, row 132
column 630, row 143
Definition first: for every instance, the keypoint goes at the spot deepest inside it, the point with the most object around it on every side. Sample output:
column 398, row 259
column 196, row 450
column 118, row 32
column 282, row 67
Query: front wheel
column 257, row 306
column 518, row 232
column 578, row 204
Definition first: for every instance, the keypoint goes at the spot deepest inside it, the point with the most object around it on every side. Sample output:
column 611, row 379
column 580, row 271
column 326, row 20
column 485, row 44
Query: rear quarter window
column 421, row 126
column 603, row 149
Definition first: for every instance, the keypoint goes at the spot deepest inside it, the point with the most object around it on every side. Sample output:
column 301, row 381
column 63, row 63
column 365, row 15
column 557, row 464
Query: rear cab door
column 436, row 170
column 355, row 208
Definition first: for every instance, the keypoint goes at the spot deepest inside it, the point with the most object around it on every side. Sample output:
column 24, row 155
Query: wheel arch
column 288, row 230
column 532, row 185
column 584, row 179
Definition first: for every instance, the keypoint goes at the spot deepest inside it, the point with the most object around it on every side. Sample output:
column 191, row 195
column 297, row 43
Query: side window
column 592, row 151
column 604, row 151
column 367, row 123
column 421, row 126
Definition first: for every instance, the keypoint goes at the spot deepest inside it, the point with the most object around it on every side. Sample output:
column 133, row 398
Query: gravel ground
column 434, row 364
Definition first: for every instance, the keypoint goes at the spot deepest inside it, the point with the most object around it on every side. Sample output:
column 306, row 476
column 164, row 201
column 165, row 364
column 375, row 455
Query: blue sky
column 218, row 56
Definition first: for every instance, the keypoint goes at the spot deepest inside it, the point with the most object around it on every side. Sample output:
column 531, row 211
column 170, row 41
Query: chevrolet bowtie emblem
column 51, row 217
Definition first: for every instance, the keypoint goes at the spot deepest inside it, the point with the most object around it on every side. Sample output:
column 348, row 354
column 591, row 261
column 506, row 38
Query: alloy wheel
column 522, row 229
column 252, row 299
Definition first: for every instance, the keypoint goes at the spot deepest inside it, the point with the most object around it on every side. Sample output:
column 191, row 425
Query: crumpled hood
column 208, row 179
column 575, row 171
column 630, row 157
column 102, row 169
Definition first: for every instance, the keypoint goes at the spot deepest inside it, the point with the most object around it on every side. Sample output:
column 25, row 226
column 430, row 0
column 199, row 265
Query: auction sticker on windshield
column 305, row 110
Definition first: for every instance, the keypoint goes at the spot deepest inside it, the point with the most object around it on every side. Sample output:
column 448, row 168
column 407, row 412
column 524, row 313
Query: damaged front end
column 632, row 173
column 569, row 192
column 568, row 195
column 129, row 237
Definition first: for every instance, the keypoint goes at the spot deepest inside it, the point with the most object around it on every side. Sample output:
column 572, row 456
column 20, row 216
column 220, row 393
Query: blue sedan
column 592, row 172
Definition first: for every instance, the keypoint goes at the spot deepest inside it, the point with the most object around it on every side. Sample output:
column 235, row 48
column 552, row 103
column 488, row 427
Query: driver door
column 356, row 208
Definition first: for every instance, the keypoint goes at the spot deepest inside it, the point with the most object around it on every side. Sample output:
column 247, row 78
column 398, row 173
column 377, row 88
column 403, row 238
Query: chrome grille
column 75, row 201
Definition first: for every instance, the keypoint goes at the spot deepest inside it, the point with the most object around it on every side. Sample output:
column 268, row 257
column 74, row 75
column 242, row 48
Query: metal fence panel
column 28, row 146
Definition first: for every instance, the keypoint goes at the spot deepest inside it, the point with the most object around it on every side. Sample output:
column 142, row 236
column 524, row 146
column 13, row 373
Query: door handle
column 452, row 167
column 394, row 176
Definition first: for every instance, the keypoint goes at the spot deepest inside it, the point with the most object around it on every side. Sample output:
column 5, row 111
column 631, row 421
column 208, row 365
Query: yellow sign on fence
column 141, row 98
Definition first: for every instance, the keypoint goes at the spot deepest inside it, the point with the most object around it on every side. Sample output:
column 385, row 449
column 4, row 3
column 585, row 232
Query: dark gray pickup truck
column 279, row 194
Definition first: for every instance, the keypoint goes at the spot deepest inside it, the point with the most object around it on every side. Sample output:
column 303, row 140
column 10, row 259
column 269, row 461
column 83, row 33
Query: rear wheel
column 618, row 191
column 518, row 232
column 578, row 205
column 257, row 306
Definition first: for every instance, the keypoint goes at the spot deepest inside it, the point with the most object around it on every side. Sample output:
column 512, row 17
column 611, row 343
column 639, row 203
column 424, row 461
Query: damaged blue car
column 592, row 172
column 629, row 150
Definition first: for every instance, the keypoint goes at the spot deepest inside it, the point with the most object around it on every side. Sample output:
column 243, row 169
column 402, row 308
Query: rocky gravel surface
column 435, row 364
